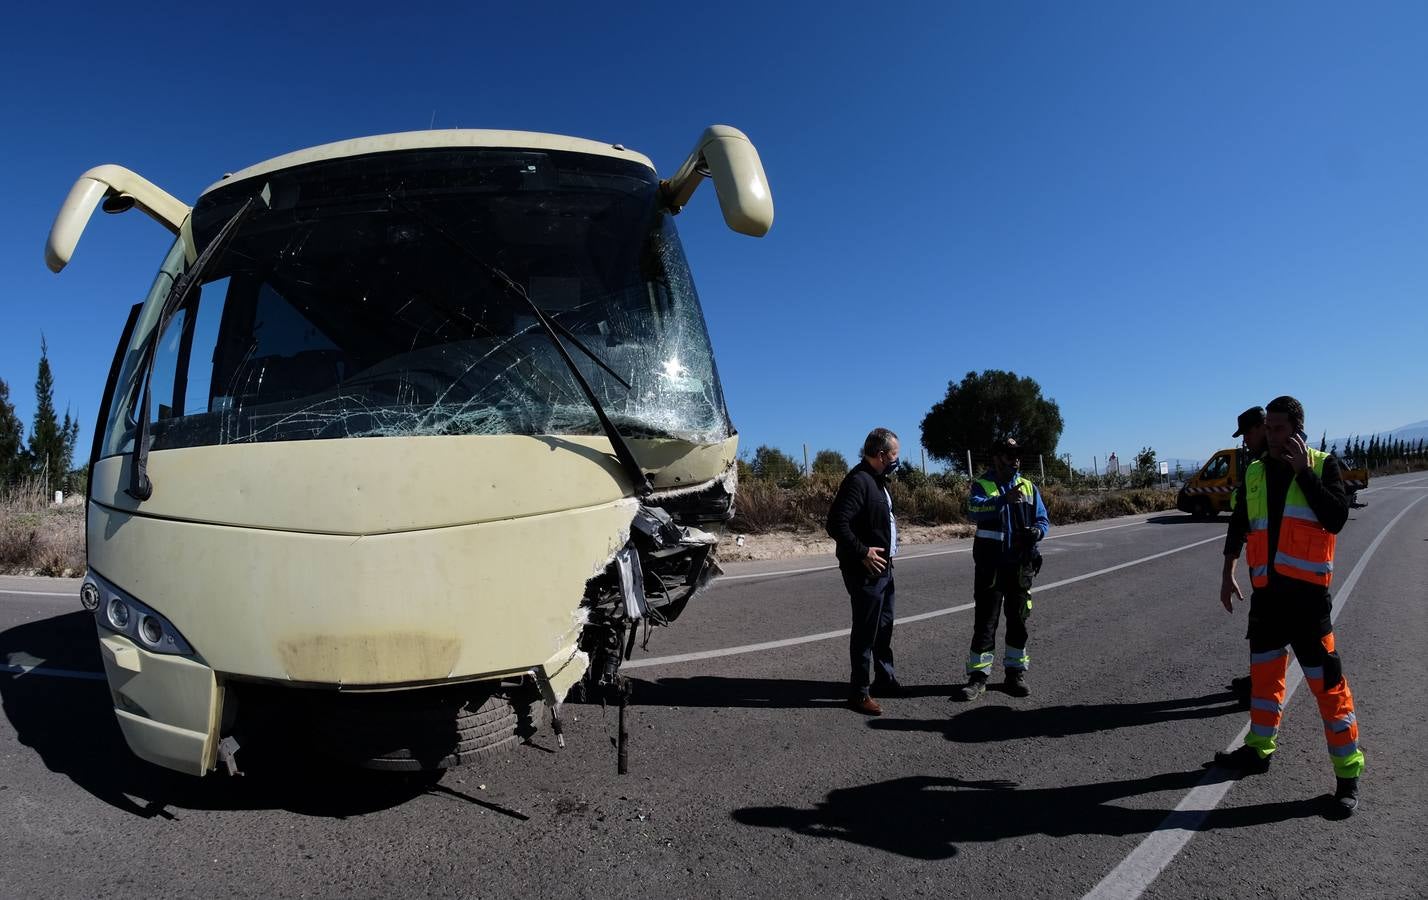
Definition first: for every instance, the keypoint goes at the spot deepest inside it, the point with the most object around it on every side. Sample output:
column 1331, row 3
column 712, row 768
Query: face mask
column 890, row 467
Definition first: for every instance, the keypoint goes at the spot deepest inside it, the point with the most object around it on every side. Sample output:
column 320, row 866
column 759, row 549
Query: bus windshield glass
column 380, row 296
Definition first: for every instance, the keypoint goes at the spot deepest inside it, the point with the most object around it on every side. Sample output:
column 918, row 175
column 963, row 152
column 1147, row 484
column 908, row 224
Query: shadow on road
column 988, row 723
column 70, row 724
column 1185, row 519
column 927, row 817
column 755, row 693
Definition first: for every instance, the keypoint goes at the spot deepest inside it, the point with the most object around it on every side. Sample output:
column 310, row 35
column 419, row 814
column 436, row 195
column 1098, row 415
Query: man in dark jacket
column 861, row 521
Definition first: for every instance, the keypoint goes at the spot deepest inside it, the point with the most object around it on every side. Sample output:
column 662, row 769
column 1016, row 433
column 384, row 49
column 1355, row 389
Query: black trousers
column 1300, row 620
column 870, row 646
column 997, row 587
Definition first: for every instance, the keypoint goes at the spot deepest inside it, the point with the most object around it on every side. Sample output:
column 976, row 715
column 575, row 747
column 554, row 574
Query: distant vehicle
column 1208, row 492
column 412, row 435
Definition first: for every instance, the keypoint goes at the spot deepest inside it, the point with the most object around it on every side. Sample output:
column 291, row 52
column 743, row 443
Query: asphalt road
column 748, row 776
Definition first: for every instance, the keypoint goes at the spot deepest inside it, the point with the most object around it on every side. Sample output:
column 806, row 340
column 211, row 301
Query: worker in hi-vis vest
column 1011, row 520
column 1289, row 508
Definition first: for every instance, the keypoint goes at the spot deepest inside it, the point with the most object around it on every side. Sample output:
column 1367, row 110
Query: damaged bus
column 411, row 437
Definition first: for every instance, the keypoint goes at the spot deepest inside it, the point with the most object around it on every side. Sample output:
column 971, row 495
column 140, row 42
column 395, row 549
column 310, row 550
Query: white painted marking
column 19, row 671
column 74, row 595
column 1387, row 487
column 967, row 549
column 1145, row 863
column 829, row 635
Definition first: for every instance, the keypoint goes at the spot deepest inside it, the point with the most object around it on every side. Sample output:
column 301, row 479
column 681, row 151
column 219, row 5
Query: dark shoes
column 974, row 688
column 866, row 705
column 888, row 688
column 1016, row 683
column 1241, row 689
column 1346, row 798
column 1245, row 760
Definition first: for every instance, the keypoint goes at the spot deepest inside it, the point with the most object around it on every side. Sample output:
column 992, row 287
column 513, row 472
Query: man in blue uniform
column 1011, row 520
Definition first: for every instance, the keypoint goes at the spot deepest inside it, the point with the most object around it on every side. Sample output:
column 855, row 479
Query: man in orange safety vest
column 1287, row 512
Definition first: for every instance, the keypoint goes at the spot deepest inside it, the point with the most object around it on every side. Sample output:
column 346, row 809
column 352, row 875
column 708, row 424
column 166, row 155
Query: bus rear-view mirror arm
column 726, row 155
column 121, row 190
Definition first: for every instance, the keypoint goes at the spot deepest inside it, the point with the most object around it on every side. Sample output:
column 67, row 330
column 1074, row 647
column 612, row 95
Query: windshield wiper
column 140, row 487
column 553, row 330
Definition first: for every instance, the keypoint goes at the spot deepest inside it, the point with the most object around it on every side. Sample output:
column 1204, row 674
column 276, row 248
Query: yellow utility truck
column 1208, row 492
column 412, row 436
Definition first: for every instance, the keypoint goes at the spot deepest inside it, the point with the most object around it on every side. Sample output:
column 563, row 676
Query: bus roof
column 416, row 140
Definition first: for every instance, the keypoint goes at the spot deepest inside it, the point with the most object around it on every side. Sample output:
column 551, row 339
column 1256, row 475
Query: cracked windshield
column 382, row 296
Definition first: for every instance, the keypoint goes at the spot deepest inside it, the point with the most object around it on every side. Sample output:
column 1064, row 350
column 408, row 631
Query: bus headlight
column 89, row 596
column 151, row 632
column 118, row 612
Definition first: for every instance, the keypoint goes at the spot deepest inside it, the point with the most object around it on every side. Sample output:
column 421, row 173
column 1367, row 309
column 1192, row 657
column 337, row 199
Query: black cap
column 1007, row 447
column 1249, row 419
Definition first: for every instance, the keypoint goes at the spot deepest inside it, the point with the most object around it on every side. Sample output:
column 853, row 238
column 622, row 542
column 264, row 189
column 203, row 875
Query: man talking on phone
column 1287, row 512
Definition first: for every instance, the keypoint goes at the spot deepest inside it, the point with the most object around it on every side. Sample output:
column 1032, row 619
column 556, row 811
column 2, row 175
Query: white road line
column 1135, row 873
column 74, row 594
column 1387, row 487
column 20, row 671
column 749, row 648
column 829, row 635
column 966, row 549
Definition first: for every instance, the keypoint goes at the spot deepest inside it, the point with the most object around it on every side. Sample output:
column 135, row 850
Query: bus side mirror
column 120, row 190
column 727, row 156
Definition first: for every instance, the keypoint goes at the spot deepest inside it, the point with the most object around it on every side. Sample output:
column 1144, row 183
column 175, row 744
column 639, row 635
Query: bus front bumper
column 168, row 706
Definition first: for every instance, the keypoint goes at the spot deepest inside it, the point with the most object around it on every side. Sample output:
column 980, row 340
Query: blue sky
column 1162, row 213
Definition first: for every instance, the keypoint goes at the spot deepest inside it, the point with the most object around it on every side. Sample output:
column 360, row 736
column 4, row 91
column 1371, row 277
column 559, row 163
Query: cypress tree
column 51, row 444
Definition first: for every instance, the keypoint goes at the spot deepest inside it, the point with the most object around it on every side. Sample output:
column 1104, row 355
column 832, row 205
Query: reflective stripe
column 1346, row 750
column 1269, row 656
column 1259, row 525
column 1314, row 672
column 1259, row 571
column 990, row 535
column 1300, row 512
column 1263, row 744
column 979, row 661
column 1016, row 658
column 1323, row 568
column 1343, row 724
column 1263, row 730
column 1266, row 705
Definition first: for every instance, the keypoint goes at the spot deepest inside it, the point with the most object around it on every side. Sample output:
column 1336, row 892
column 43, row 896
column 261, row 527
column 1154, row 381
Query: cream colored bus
column 412, row 436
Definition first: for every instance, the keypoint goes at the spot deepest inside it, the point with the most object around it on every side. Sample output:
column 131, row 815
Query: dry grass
column 37, row 537
column 762, row 507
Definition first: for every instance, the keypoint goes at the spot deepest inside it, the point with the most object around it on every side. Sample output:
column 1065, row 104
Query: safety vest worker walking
column 1289, row 508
